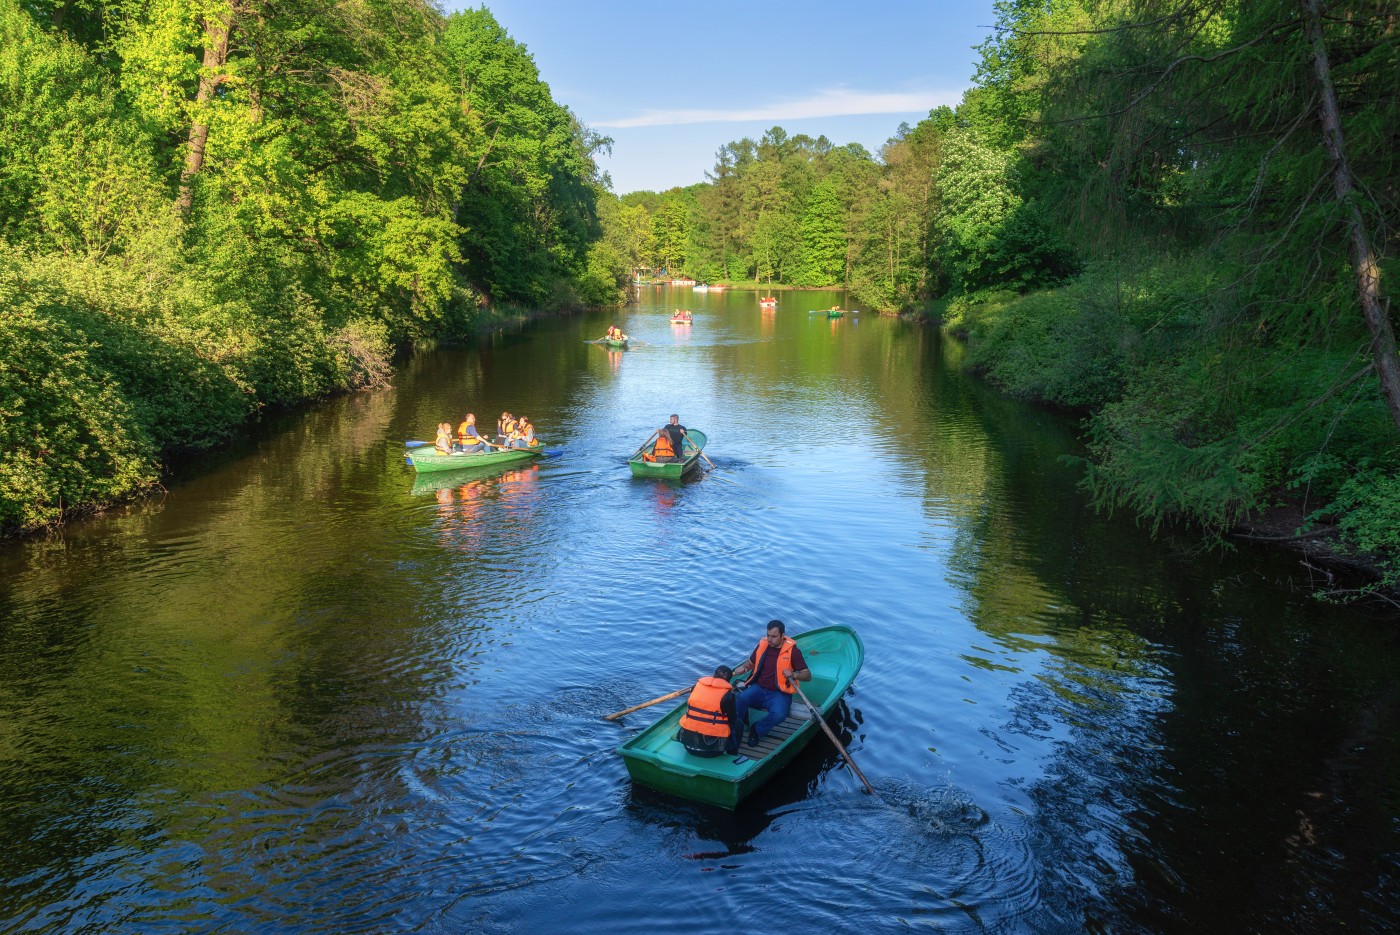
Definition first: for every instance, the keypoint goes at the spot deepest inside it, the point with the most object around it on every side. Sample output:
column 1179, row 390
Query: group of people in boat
column 681, row 315
column 718, row 710
column 614, row 334
column 670, row 442
column 511, row 432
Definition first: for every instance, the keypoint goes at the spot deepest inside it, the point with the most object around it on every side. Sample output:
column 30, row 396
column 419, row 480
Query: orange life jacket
column 462, row 431
column 663, row 447
column 784, row 662
column 702, row 712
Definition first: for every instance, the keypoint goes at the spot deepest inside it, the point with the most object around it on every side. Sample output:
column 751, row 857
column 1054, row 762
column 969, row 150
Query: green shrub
column 67, row 436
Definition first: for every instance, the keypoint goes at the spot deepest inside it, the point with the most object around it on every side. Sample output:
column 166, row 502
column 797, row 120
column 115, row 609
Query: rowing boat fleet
column 656, row 757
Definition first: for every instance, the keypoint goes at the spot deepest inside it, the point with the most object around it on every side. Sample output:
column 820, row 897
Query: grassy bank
column 1196, row 412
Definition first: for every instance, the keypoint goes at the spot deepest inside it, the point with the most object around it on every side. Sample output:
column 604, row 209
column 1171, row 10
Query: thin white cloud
column 833, row 102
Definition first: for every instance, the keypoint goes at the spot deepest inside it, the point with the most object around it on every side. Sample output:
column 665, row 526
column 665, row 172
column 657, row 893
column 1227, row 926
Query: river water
column 303, row 692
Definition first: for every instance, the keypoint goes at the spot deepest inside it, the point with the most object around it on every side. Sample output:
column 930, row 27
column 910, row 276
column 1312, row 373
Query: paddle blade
column 413, row 444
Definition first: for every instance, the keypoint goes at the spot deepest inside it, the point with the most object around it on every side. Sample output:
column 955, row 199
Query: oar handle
column 645, row 704
column 829, row 733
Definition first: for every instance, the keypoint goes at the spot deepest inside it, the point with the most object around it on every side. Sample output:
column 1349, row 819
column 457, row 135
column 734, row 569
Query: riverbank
column 1253, row 442
column 106, row 378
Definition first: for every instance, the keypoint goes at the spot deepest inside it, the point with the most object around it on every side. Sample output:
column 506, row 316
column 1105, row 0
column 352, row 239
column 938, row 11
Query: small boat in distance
column 655, row 758
column 681, row 318
column 671, row 470
column 768, row 302
column 701, row 287
column 683, row 281
column 717, row 288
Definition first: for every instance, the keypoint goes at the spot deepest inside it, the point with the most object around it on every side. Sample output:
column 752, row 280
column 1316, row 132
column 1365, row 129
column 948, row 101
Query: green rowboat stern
column 656, row 759
column 671, row 470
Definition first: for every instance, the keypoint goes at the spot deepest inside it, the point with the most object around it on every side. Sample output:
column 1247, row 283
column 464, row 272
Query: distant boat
column 702, row 288
column 683, row 282
column 768, row 302
column 678, row 320
column 716, row 288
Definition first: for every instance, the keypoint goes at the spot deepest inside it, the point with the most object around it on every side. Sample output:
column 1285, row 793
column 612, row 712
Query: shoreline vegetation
column 1172, row 227
column 214, row 211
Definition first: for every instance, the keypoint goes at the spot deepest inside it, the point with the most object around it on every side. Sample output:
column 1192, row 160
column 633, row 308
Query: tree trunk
column 217, row 31
column 1363, row 257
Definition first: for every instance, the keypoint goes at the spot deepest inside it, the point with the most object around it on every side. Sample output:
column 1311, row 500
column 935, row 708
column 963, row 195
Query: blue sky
column 672, row 82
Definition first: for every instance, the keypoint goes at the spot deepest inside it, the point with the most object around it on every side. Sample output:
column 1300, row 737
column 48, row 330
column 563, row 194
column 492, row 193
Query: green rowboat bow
column 655, row 758
column 428, row 459
column 690, row 454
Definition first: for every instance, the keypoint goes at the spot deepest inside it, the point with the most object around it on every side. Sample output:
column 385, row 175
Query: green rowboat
column 611, row 342
column 655, row 758
column 834, row 313
column 428, row 459
column 673, row 470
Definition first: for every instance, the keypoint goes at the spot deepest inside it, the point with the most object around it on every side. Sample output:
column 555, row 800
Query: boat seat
column 795, row 719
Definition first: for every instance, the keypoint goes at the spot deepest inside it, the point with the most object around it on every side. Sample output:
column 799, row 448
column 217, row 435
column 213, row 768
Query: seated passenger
column 706, row 728
column 663, row 450
column 524, row 435
column 469, row 440
column 444, row 438
column 504, row 426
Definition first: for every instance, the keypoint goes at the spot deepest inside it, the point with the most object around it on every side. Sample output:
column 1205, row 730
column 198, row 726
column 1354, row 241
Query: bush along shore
column 213, row 210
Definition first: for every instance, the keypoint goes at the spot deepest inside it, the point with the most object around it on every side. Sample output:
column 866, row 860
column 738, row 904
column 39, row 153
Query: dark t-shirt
column 675, row 432
column 767, row 674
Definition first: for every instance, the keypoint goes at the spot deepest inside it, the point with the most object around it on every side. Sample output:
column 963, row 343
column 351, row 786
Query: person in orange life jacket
column 707, row 725
column 663, row 450
column 775, row 663
column 524, row 435
column 469, row 440
column 505, row 425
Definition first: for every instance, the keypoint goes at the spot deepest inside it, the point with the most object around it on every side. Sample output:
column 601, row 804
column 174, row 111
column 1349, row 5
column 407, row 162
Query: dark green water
column 302, row 692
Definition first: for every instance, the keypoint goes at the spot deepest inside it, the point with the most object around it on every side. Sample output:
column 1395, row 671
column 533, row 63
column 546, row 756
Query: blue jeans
column 775, row 703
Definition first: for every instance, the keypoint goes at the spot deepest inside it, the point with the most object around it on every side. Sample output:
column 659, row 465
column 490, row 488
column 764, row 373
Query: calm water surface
column 304, row 692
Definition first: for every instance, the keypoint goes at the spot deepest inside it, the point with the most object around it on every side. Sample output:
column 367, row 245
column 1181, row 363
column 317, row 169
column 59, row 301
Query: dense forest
column 211, row 208
column 1168, row 216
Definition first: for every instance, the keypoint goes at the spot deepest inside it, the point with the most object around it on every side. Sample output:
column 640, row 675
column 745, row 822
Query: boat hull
column 680, row 321
column 430, row 460
column 618, row 345
column 654, row 758
column 672, row 470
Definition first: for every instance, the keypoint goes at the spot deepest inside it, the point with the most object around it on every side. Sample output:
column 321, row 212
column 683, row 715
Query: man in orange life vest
column 706, row 727
column 775, row 663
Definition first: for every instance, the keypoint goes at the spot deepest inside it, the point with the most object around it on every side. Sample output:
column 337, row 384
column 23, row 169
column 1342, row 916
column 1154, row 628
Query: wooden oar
column 822, row 721
column 700, row 451
column 646, row 704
